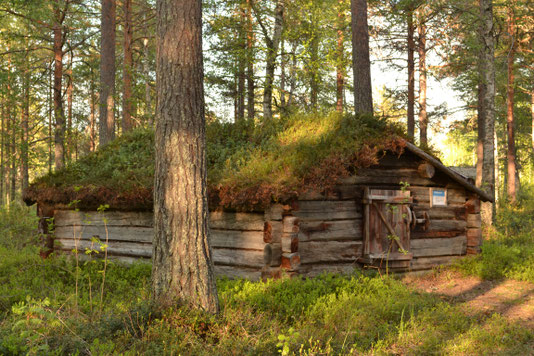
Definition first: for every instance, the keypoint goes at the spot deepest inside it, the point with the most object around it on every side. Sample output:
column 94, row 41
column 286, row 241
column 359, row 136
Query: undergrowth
column 508, row 249
column 41, row 313
column 249, row 165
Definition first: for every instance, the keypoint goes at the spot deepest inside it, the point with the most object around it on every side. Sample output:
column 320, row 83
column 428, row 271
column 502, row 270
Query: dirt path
column 512, row 299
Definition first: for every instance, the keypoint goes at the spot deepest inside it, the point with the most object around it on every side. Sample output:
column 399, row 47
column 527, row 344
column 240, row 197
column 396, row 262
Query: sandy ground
column 512, row 299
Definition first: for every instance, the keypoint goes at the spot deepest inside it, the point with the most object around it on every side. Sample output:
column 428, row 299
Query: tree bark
column 250, row 63
column 340, row 62
column 314, row 79
column 411, row 76
column 92, row 117
column 423, row 117
column 363, row 92
column 107, row 72
column 70, row 94
column 487, row 75
column 127, row 68
column 59, row 131
column 283, row 101
column 510, row 91
column 182, row 267
column 270, row 63
column 2, row 148
column 25, row 132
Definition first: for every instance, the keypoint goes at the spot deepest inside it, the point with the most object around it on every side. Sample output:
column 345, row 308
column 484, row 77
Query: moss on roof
column 249, row 166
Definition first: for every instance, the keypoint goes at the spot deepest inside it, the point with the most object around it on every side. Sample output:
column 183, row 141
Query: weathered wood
column 330, row 230
column 272, row 231
column 275, row 212
column 445, row 225
column 290, row 242
column 436, row 234
column 421, row 195
column 474, row 237
column 235, row 272
column 237, row 239
column 272, row 255
column 372, row 176
column 327, row 210
column 315, row 270
column 119, row 248
column 447, row 171
column 442, row 212
column 290, row 261
column 271, row 273
column 348, row 192
column 236, row 221
column 474, row 221
column 109, row 218
column 473, row 205
column 426, row 170
column 118, row 233
column 439, row 246
column 329, row 251
column 291, row 224
column 238, row 257
column 423, row 263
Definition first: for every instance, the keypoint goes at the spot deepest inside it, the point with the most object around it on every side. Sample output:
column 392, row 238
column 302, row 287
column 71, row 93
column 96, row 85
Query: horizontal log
column 447, row 225
column 439, row 246
column 238, row 257
column 237, row 239
column 349, row 192
column 114, row 247
column 272, row 255
column 377, row 179
column 329, row 251
column 433, row 234
column 474, row 237
column 109, row 218
column 314, row 270
column 235, row 272
column 474, row 221
column 454, row 196
column 290, row 243
column 119, row 233
column 426, row 170
column 327, row 210
column 236, row 221
column 423, row 263
column 457, row 212
column 330, row 230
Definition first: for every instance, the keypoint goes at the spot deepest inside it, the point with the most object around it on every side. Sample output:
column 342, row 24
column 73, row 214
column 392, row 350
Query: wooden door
column 387, row 219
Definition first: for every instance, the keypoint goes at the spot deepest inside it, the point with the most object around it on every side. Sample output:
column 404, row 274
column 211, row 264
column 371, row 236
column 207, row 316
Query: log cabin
column 404, row 212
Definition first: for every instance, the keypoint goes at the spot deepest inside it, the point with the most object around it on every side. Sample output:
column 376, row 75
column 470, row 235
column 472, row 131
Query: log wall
column 323, row 231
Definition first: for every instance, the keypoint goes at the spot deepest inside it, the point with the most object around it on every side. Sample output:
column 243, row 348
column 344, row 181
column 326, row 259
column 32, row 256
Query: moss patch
column 249, row 166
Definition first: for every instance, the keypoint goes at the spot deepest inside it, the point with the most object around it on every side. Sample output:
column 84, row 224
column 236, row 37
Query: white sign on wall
column 438, row 197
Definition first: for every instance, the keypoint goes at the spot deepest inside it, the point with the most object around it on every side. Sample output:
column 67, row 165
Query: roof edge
column 449, row 172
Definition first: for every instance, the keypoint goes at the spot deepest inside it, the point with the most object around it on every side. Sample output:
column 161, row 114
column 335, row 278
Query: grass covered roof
column 249, row 166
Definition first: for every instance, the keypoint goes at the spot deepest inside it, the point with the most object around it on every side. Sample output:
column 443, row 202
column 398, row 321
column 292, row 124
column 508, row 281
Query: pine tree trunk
column 70, row 93
column 146, row 69
column 480, row 129
column 128, row 67
column 423, row 117
column 411, row 76
column 182, row 267
column 107, row 72
column 92, row 117
column 283, row 101
column 487, row 74
column 293, row 74
column 2, row 148
column 363, row 95
column 270, row 63
column 314, row 80
column 13, row 156
column 50, row 124
column 25, row 133
column 340, row 61
column 59, row 131
column 250, row 63
column 510, row 152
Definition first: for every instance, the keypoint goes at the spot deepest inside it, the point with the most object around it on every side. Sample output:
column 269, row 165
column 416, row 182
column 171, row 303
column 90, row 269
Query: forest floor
column 511, row 299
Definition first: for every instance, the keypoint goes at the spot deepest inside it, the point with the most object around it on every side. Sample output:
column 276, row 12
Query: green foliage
column 17, row 226
column 248, row 165
column 508, row 251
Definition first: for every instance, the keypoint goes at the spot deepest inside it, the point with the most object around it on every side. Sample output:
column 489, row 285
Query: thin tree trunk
column 270, row 65
column 92, row 117
column 50, row 124
column 250, row 63
column 293, row 74
column 487, row 74
column 283, row 101
column 70, row 94
column 182, row 267
column 13, row 171
column 532, row 118
column 146, row 70
column 510, row 152
column 363, row 95
column 423, row 117
column 59, row 132
column 314, row 67
column 480, row 131
column 107, row 72
column 128, row 67
column 25, row 133
column 340, row 62
column 2, row 148
column 411, row 76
